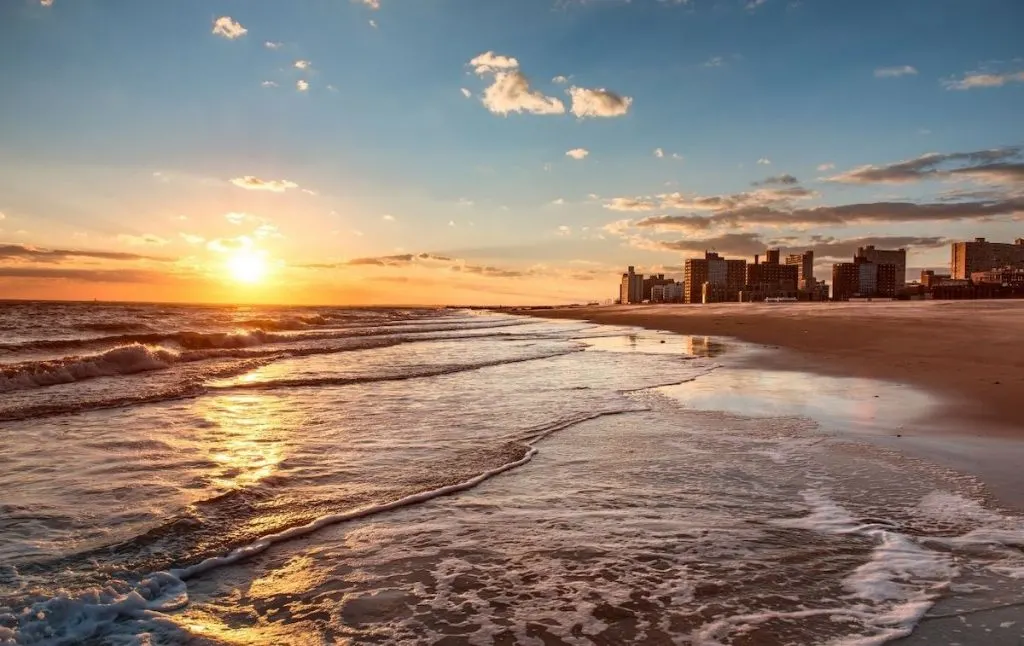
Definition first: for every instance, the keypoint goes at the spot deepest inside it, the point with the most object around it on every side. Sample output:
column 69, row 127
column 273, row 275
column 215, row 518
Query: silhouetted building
column 651, row 282
column 729, row 274
column 674, row 293
column 981, row 255
column 769, row 279
column 631, row 290
column 804, row 263
column 897, row 257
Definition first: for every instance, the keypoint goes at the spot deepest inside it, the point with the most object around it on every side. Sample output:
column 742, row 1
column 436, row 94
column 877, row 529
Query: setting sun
column 247, row 266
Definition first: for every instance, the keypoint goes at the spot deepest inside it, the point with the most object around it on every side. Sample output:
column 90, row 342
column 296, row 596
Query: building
column 651, row 282
column 673, row 293
column 804, row 263
column 981, row 255
column 658, row 294
column 631, row 290
column 897, row 257
column 863, row 278
column 1005, row 276
column 729, row 274
column 769, row 279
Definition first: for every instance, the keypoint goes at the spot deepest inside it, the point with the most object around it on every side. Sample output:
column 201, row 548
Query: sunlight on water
column 241, row 433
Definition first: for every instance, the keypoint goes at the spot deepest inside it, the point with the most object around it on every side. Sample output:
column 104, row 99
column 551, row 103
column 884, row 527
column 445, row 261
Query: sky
column 491, row 151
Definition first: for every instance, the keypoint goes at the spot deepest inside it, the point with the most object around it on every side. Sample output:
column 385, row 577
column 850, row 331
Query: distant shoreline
column 969, row 353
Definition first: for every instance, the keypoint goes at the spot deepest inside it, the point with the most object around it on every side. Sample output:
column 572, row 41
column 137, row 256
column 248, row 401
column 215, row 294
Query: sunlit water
column 213, row 475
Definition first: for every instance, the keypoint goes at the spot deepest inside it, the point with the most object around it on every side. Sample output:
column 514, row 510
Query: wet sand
column 969, row 354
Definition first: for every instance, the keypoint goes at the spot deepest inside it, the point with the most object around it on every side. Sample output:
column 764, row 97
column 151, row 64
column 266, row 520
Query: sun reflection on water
column 242, row 438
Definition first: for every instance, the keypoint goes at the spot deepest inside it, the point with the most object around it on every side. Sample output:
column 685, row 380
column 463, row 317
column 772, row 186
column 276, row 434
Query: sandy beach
column 970, row 354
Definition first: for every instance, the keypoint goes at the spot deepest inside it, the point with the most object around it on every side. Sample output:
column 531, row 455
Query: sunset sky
column 490, row 151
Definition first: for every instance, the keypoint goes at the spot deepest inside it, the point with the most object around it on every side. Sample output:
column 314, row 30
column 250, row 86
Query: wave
column 99, row 612
column 113, row 327
column 125, row 360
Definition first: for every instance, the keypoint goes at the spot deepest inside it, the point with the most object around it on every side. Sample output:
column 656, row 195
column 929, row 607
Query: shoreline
column 970, row 355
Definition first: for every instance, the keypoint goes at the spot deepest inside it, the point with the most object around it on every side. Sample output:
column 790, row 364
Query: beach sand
column 968, row 353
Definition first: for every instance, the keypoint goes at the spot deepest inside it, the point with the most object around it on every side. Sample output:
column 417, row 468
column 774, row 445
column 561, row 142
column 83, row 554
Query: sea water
column 303, row 476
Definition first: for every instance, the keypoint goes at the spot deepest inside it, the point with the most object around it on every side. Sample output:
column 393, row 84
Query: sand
column 968, row 353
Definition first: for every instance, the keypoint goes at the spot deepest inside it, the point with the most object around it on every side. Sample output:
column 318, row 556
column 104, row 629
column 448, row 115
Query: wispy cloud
column 826, row 166
column 39, row 254
column 142, row 240
column 192, row 238
column 714, row 61
column 659, row 153
column 302, row 85
column 782, row 180
column 251, row 183
column 561, row 80
column 270, row 44
column 598, row 103
column 764, row 161
column 894, row 72
column 466, row 93
column 372, row 4
column 577, row 153
column 993, row 165
column 983, row 80
column 228, row 28
column 268, row 84
column 387, row 217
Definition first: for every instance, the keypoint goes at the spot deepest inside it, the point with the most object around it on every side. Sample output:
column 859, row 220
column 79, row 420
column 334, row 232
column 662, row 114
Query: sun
column 247, row 266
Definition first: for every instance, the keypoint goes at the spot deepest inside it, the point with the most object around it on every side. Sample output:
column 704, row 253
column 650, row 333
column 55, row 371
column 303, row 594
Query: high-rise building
column 631, row 290
column 651, row 282
column 897, row 257
column 804, row 263
column 769, row 278
column 981, row 255
column 728, row 275
column 863, row 278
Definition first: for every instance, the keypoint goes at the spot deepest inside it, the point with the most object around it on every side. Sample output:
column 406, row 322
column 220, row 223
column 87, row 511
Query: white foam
column 124, row 360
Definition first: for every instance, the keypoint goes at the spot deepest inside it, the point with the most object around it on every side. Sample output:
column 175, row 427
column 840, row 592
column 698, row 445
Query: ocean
column 253, row 475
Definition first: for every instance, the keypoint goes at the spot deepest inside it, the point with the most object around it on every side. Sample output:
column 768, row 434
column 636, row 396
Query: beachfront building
column 631, row 289
column 804, row 263
column 1004, row 276
column 981, row 255
column 770, row 279
column 863, row 278
column 655, row 280
column 713, row 269
column 673, row 293
column 897, row 257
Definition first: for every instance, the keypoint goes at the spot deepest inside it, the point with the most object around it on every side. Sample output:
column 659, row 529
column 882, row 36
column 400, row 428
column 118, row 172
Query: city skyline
column 454, row 152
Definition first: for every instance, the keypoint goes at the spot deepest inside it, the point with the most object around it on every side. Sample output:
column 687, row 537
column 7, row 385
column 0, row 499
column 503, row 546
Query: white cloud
column 192, row 239
column 237, row 218
column 302, row 85
column 466, row 93
column 598, row 102
column 268, row 84
column 372, row 4
column 676, row 156
column 826, row 166
column 2, row 216
column 46, row 3
column 491, row 63
column 387, row 217
column 270, row 44
column 714, row 61
column 267, row 230
column 558, row 202
column 564, row 231
column 451, row 223
column 754, row 4
column 764, row 161
column 659, row 153
column 465, row 202
column 373, row 23
column 144, row 239
column 577, row 153
column 256, row 184
column 972, row 81
column 893, row 72
column 561, row 80
column 228, row 28
column 303, row 64
column 511, row 92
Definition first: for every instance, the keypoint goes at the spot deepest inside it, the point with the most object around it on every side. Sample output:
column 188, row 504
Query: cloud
column 983, row 80
column 373, row 23
column 144, row 239
column 842, row 215
column 238, row 218
column 303, row 64
column 273, row 45
column 659, row 153
column 86, row 275
column 564, row 230
column 826, row 166
column 397, row 260
column 192, row 239
column 388, row 217
column 268, row 84
column 466, row 93
column 228, row 28
column 714, row 61
column 782, row 180
column 251, row 183
column 894, row 72
column 681, row 201
column 301, row 85
column 764, row 161
column 748, row 244
column 2, row 216
column 46, row 3
column 372, row 4
column 561, row 80
column 977, row 164
column 37, row 254
column 577, row 153
column 511, row 92
column 598, row 103
column 754, row 4
column 228, row 245
column 491, row 63
column 558, row 202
